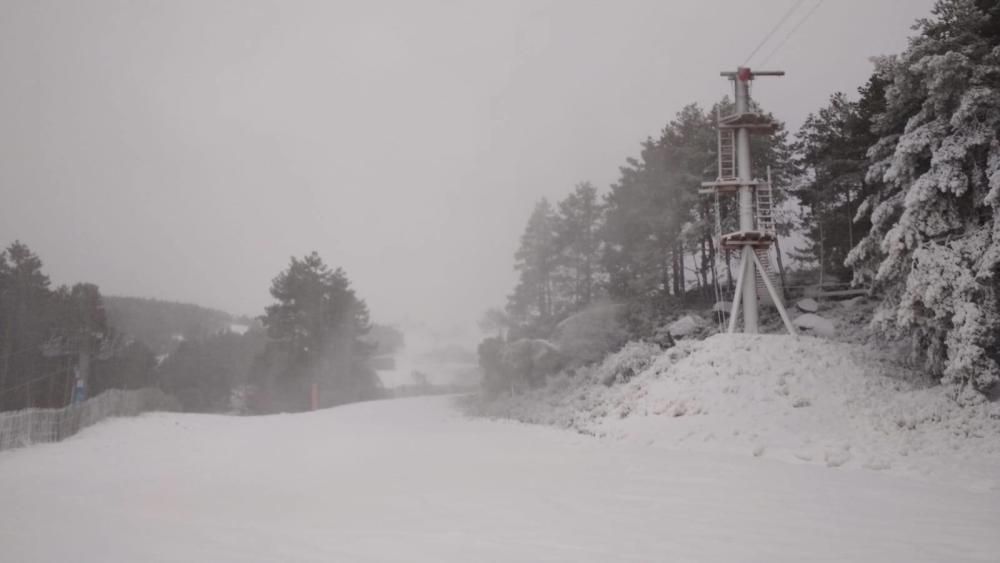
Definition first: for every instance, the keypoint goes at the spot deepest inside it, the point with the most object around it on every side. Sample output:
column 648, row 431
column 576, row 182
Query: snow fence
column 31, row 426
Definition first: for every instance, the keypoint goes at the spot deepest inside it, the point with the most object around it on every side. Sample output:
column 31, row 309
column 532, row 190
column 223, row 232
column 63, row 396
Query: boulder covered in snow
column 686, row 326
column 815, row 324
column 722, row 307
column 807, row 305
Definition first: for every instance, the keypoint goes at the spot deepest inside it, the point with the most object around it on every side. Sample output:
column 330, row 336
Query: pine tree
column 25, row 311
column 576, row 237
column 531, row 304
column 933, row 247
column 831, row 155
column 656, row 216
column 318, row 322
column 82, row 327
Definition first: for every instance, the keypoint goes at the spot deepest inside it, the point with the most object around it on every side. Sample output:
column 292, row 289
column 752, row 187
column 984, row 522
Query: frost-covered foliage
column 933, row 248
column 626, row 363
column 588, row 336
column 517, row 365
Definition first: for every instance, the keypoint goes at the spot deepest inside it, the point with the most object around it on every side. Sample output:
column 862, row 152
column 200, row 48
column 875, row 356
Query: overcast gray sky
column 184, row 150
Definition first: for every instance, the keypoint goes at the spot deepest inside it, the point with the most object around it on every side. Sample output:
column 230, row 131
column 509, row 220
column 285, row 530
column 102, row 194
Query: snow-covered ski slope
column 414, row 480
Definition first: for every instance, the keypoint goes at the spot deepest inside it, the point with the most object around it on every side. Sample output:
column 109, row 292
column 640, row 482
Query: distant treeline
column 310, row 348
column 897, row 189
column 162, row 324
column 54, row 339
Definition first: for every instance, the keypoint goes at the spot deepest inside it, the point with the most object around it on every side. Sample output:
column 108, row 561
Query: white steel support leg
column 749, row 293
column 746, row 206
column 737, row 294
column 774, row 296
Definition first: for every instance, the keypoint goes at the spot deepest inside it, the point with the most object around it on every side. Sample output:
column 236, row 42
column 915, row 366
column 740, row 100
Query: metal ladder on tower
column 765, row 208
column 727, row 152
column 764, row 211
column 765, row 260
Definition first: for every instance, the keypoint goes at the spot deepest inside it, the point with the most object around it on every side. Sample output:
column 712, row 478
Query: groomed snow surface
column 418, row 480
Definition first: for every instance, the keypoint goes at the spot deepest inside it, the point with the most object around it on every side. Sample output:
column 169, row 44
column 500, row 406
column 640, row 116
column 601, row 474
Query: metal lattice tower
column 756, row 232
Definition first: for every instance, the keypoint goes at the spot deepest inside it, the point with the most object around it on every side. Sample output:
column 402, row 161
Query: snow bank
column 801, row 400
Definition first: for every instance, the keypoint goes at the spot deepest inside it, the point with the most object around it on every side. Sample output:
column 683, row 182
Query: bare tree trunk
column 673, row 272
column 697, row 275
column 822, row 256
column 781, row 269
column 712, row 260
column 729, row 269
column 850, row 220
column 679, row 268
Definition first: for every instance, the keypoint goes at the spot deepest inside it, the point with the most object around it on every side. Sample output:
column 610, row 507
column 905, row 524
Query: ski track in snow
column 414, row 480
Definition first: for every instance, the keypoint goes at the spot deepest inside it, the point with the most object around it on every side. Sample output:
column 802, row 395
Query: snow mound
column 795, row 399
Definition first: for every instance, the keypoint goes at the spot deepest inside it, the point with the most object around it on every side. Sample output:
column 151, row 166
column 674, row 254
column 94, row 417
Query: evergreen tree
column 933, row 247
column 656, row 217
column 83, row 327
column 831, row 155
column 641, row 231
column 25, row 313
column 689, row 148
column 203, row 373
column 576, row 237
column 317, row 324
column 531, row 304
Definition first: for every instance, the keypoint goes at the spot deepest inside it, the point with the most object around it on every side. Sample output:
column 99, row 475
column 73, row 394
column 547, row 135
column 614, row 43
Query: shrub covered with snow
column 593, row 333
column 625, row 364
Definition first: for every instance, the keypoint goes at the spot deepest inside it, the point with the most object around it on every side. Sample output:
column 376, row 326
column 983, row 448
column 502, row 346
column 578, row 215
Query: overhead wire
column 783, row 19
column 17, row 353
column 792, row 32
column 59, row 371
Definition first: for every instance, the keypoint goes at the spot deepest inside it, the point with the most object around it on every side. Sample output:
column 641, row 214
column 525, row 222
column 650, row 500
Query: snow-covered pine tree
column 934, row 246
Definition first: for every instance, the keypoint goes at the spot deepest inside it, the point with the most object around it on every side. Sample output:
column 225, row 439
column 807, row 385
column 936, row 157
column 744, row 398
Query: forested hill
column 161, row 324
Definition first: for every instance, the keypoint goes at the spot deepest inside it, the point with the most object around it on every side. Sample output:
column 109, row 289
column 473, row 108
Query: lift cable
column 792, row 32
column 774, row 29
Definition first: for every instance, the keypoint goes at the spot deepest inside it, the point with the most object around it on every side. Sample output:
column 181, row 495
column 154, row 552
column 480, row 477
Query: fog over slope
column 185, row 150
